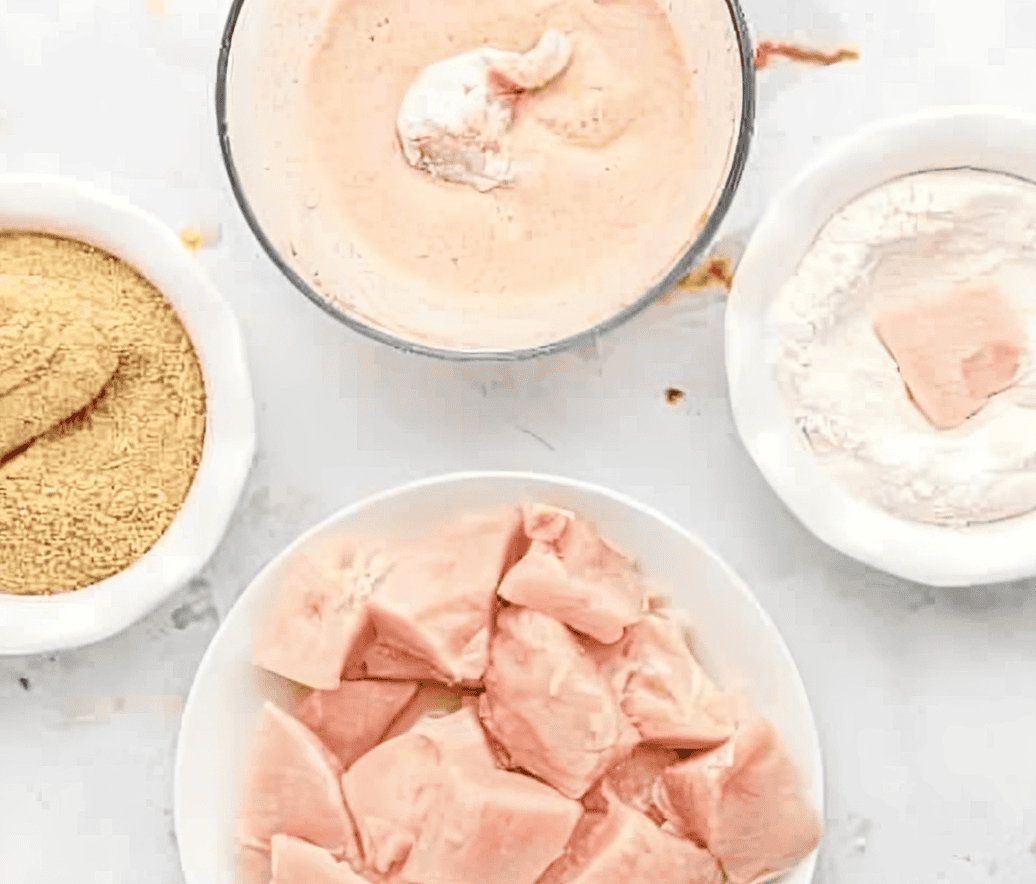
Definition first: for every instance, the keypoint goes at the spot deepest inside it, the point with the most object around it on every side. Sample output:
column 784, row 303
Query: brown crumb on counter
column 767, row 50
column 192, row 238
column 674, row 395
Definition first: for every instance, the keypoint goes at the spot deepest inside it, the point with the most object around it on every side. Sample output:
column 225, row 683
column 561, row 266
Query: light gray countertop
column 925, row 700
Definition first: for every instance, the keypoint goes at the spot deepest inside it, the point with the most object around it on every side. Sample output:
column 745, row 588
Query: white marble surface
column 926, row 701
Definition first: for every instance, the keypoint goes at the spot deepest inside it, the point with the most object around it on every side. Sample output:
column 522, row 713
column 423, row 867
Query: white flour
column 914, row 236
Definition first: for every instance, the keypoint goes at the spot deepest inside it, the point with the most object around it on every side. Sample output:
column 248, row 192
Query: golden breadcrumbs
column 94, row 493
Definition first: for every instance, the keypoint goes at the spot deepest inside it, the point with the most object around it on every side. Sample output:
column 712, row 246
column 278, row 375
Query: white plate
column 736, row 641
column 33, row 624
column 992, row 139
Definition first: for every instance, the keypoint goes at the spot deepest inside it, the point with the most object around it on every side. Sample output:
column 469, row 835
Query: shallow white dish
column 736, row 642
column 991, row 139
column 78, row 211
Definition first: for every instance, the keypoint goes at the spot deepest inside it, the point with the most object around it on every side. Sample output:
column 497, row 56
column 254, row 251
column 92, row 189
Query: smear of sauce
column 673, row 395
column 768, row 50
column 716, row 271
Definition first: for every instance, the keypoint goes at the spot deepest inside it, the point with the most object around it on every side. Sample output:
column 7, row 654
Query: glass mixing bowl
column 254, row 90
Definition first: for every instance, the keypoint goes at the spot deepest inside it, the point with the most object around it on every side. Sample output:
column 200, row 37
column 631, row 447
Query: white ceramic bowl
column 990, row 139
column 33, row 624
column 735, row 640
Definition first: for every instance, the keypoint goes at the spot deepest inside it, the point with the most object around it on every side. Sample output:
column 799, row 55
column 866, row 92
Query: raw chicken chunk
column 430, row 701
column 436, row 606
column 253, row 865
column 548, row 705
column 293, row 787
column 352, row 719
column 666, row 693
column 634, row 780
column 432, row 808
column 317, row 622
column 295, row 861
column 613, row 842
column 454, row 119
column 742, row 802
column 572, row 575
column 954, row 352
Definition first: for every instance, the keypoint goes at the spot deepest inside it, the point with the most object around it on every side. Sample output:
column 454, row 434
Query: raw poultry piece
column 435, row 608
column 352, row 719
column 571, row 574
column 954, row 352
column 634, row 780
column 431, row 701
column 454, row 119
column 433, row 808
column 295, row 861
column 665, row 692
column 317, row 619
column 613, row 842
column 418, row 611
column 293, row 787
column 253, row 865
column 549, row 706
column 743, row 803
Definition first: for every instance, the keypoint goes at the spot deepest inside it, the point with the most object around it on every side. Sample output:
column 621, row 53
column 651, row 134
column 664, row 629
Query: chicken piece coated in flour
column 454, row 118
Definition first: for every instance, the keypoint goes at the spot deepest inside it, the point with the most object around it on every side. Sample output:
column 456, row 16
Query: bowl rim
column 684, row 265
column 74, row 209
column 929, row 554
column 804, row 870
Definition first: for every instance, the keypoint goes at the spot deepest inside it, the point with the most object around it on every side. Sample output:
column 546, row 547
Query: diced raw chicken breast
column 633, row 780
column 384, row 661
column 432, row 808
column 293, row 787
column 954, row 352
column 295, row 861
column 545, row 523
column 437, row 603
column 742, row 802
column 549, row 706
column 574, row 576
column 431, row 700
column 352, row 719
column 615, row 843
column 317, row 623
column 666, row 693
column 253, row 865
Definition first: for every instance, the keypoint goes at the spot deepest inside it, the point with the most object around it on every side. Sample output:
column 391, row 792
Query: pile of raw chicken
column 505, row 702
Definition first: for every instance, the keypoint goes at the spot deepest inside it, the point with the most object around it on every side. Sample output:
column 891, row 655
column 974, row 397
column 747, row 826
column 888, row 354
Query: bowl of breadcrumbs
column 127, row 426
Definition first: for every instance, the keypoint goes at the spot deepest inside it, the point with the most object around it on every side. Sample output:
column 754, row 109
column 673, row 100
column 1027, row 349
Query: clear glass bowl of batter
column 630, row 159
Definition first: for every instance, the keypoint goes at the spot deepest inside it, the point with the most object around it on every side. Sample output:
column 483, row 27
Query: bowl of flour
column 881, row 346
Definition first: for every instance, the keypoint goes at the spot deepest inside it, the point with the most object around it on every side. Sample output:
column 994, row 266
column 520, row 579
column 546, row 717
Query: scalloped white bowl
column 63, row 207
column 993, row 139
column 735, row 641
